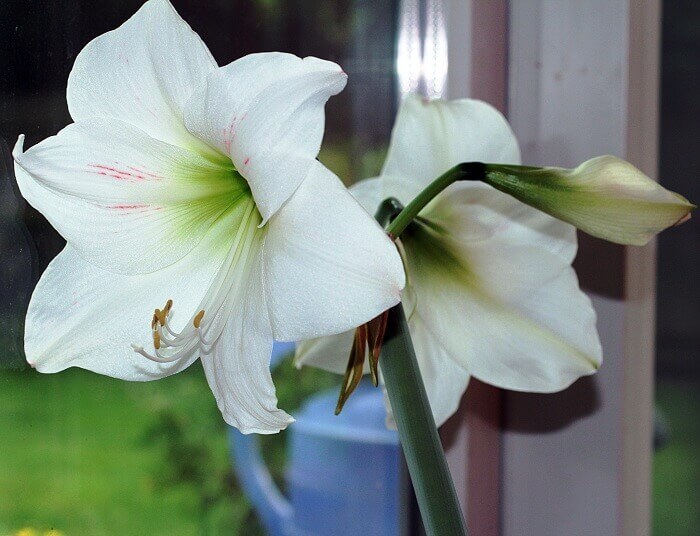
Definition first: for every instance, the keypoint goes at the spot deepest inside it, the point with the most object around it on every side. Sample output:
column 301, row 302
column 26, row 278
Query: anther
column 156, row 340
column 198, row 319
column 353, row 373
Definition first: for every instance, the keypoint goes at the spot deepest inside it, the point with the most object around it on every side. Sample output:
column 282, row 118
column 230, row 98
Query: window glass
column 87, row 454
column 676, row 465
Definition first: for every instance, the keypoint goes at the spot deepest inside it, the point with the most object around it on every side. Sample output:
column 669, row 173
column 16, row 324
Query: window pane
column 87, row 454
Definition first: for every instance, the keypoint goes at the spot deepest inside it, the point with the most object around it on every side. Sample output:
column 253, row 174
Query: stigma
column 169, row 345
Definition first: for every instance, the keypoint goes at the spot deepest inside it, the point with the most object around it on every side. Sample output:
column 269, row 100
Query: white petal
column 473, row 212
column 142, row 73
column 266, row 111
column 445, row 381
column 329, row 266
column 82, row 316
column 542, row 344
column 238, row 370
column 369, row 193
column 430, row 137
column 510, row 312
column 127, row 202
column 327, row 353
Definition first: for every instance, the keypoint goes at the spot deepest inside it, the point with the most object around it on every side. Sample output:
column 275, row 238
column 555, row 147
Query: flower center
column 204, row 328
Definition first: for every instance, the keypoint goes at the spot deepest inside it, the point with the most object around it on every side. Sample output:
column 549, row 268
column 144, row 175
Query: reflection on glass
column 86, row 454
column 421, row 66
column 409, row 64
column 435, row 50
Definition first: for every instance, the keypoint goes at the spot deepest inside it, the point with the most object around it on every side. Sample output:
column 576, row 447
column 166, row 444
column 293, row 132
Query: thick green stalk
column 465, row 171
column 435, row 492
column 422, row 449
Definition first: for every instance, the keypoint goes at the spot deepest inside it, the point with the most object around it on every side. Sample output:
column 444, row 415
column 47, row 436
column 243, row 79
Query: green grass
column 90, row 455
column 70, row 457
column 86, row 454
column 676, row 499
column 73, row 457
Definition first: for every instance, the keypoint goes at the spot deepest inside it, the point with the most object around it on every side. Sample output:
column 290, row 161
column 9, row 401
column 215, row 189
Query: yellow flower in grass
column 27, row 531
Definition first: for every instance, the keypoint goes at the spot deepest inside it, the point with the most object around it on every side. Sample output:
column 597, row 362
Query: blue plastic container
column 343, row 475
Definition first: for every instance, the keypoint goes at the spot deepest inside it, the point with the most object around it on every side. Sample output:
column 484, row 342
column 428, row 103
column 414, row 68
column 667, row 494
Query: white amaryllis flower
column 490, row 290
column 193, row 191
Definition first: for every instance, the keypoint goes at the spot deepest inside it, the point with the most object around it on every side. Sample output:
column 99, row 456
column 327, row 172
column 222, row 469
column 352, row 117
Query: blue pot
column 343, row 475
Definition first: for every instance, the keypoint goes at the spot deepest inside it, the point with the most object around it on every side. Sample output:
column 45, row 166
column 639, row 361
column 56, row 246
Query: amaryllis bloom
column 198, row 220
column 605, row 196
column 490, row 290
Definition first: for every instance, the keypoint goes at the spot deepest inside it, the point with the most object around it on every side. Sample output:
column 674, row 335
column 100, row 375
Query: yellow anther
column 198, row 319
column 161, row 316
column 154, row 321
column 168, row 306
column 156, row 340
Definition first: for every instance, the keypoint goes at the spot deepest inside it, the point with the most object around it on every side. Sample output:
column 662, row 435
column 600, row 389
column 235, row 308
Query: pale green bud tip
column 606, row 197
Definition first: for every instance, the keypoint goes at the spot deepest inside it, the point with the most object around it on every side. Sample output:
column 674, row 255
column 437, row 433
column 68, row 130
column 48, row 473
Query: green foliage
column 71, row 458
column 191, row 457
column 676, row 498
column 87, row 454
column 338, row 158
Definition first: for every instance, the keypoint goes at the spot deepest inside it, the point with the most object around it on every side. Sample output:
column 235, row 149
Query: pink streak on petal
column 120, row 174
column 142, row 172
column 140, row 206
column 228, row 135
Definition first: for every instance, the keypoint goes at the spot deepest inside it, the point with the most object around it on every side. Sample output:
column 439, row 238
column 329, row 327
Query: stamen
column 161, row 316
column 157, row 358
column 353, row 373
column 204, row 331
column 369, row 338
column 376, row 328
column 165, row 338
column 169, row 345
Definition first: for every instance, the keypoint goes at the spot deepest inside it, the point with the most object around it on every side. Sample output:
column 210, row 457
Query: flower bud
column 606, row 197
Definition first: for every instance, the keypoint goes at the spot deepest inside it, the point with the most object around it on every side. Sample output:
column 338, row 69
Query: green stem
column 465, row 171
column 422, row 449
column 432, row 482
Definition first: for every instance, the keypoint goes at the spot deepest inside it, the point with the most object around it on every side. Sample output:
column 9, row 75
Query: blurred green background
column 89, row 455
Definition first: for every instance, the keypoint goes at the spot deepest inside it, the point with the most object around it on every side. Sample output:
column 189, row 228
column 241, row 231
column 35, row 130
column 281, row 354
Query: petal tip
column 18, row 149
column 298, row 361
column 280, row 424
column 331, row 68
column 688, row 215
